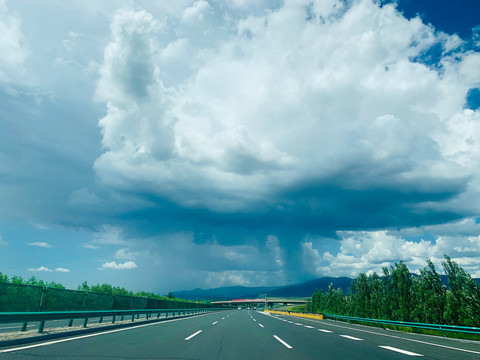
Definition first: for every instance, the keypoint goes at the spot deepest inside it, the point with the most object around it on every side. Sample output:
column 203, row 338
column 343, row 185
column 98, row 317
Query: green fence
column 19, row 298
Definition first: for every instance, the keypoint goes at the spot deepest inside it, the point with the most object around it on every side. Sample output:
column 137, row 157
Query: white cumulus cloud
column 120, row 266
column 13, row 48
column 368, row 251
column 41, row 269
column 40, row 244
column 277, row 98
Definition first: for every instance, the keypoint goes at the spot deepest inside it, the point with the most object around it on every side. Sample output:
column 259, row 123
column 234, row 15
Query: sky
column 170, row 145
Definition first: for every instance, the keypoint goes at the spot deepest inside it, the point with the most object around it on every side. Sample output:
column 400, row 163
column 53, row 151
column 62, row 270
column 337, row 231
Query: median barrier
column 291, row 313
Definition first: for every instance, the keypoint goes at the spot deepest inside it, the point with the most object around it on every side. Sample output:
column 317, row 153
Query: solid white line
column 92, row 335
column 308, row 326
column 351, row 337
column 401, row 351
column 191, row 336
column 325, row 331
column 214, row 322
column 397, row 337
column 283, row 342
column 260, row 325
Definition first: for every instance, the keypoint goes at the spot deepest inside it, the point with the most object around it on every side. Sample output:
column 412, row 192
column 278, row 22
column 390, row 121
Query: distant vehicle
column 254, row 308
column 239, row 308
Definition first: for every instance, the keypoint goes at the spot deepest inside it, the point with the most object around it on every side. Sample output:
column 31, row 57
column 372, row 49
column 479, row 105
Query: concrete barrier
column 291, row 313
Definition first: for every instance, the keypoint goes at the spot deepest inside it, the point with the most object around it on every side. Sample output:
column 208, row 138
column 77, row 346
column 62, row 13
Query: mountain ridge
column 304, row 289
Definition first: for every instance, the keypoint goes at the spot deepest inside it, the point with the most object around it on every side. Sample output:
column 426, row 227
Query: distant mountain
column 306, row 289
column 223, row 293
column 237, row 292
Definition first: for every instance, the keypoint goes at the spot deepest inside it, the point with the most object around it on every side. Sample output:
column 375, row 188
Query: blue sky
column 164, row 145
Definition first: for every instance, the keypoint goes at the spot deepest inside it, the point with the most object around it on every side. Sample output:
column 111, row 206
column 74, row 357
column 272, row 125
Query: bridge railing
column 113, row 315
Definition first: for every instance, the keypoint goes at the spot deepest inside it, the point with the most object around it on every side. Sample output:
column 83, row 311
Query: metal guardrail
column 450, row 328
column 42, row 317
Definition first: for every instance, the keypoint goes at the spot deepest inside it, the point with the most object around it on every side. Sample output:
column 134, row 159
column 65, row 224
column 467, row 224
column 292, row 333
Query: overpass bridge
column 265, row 302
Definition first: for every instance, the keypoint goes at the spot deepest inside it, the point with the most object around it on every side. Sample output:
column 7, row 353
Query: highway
column 242, row 334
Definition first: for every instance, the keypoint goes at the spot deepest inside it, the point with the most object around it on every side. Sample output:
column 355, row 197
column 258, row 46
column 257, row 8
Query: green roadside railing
column 437, row 327
column 113, row 315
column 21, row 297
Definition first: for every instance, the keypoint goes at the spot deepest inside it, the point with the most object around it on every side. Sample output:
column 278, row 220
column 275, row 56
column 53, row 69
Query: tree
column 83, row 287
column 34, row 281
column 3, row 278
column 361, row 294
column 377, row 297
column 53, row 284
column 430, row 296
column 403, row 291
column 102, row 289
column 17, row 280
column 316, row 304
column 170, row 295
column 463, row 299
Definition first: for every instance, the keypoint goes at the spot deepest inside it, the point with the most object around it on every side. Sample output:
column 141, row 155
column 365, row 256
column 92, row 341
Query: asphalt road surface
column 242, row 334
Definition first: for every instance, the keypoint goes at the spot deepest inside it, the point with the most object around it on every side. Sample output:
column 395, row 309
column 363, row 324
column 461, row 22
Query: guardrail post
column 133, row 317
column 121, row 319
column 41, row 325
column 70, row 323
column 113, row 319
column 85, row 321
column 101, row 320
column 41, row 303
column 24, row 326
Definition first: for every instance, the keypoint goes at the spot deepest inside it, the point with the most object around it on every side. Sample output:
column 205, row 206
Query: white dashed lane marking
column 282, row 342
column 351, row 337
column 191, row 336
column 405, row 352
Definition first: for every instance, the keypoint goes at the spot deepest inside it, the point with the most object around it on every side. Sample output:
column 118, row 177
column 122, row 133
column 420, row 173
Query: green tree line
column 399, row 296
column 18, row 294
column 98, row 288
